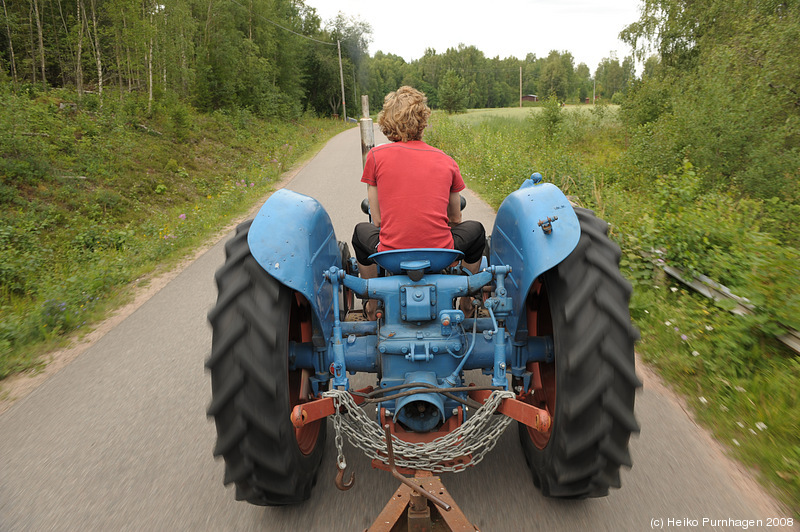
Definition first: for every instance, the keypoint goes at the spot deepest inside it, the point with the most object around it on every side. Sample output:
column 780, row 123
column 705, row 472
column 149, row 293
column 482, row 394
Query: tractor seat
column 416, row 262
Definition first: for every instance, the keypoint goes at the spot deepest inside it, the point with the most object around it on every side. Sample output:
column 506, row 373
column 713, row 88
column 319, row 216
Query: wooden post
column 520, row 87
column 367, row 133
column 364, row 106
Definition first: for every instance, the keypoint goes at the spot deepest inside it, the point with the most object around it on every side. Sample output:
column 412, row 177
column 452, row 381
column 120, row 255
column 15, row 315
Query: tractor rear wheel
column 589, row 388
column 253, row 390
column 347, row 297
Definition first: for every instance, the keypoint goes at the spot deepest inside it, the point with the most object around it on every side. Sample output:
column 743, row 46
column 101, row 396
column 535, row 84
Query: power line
column 283, row 27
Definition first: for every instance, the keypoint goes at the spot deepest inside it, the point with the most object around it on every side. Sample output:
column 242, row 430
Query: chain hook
column 341, row 465
column 340, row 483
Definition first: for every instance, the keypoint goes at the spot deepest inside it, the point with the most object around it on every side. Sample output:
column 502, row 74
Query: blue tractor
column 552, row 336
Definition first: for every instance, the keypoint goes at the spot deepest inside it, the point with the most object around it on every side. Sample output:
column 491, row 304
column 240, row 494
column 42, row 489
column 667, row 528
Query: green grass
column 740, row 381
column 740, row 384
column 475, row 116
column 91, row 202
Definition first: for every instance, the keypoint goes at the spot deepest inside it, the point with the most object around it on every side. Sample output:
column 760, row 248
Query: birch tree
column 10, row 44
column 35, row 6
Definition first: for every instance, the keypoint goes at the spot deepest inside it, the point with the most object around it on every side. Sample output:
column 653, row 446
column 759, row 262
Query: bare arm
column 454, row 208
column 374, row 208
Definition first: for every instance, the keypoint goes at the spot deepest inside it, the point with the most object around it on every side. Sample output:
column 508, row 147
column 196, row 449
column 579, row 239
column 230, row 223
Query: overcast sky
column 586, row 28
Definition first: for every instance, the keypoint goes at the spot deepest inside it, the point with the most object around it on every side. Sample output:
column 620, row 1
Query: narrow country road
column 119, row 440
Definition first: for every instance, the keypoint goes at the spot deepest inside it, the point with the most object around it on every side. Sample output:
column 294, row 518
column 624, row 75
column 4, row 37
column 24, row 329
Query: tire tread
column 595, row 371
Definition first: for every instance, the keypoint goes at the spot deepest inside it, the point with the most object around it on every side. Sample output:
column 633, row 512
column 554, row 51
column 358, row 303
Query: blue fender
column 292, row 238
column 520, row 241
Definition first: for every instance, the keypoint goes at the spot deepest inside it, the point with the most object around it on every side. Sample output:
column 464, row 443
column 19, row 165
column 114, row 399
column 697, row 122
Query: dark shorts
column 468, row 237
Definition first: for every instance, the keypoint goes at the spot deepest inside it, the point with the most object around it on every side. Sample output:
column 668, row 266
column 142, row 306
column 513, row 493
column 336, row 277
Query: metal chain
column 475, row 437
column 337, row 425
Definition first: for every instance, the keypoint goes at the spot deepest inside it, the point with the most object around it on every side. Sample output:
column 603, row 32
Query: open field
column 473, row 116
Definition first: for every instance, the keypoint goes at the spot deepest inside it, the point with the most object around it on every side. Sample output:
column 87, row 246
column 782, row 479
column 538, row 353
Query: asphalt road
column 119, row 440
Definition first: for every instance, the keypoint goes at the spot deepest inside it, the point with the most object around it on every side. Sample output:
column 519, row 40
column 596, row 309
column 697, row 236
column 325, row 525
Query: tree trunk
column 79, row 53
column 41, row 39
column 208, row 25
column 60, row 56
column 117, row 55
column 10, row 46
column 150, row 72
column 97, row 57
column 184, row 80
column 164, row 54
column 32, row 44
column 334, row 101
column 127, row 54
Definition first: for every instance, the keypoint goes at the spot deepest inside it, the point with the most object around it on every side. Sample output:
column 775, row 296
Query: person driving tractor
column 413, row 192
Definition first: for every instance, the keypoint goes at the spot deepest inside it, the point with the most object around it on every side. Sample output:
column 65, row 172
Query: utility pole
column 341, row 78
column 355, row 87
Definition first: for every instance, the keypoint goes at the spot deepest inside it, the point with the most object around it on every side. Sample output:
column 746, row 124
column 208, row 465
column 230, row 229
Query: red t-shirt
column 414, row 183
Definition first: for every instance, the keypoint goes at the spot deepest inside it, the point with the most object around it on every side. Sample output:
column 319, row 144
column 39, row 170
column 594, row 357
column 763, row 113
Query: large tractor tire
column 253, row 391
column 589, row 388
column 347, row 297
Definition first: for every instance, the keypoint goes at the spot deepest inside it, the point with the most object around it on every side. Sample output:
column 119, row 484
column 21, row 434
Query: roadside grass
column 92, row 202
column 739, row 380
column 739, row 384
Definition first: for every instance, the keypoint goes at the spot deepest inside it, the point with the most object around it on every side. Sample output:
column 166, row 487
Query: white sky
column 588, row 29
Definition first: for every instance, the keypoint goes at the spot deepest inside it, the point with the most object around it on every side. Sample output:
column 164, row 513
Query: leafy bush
column 549, row 117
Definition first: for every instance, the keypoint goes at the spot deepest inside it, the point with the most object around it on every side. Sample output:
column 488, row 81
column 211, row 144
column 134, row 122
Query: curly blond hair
column 405, row 114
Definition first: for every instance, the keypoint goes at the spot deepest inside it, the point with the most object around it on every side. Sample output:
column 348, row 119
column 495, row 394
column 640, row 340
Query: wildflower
column 740, row 389
column 741, row 425
column 252, row 184
column 709, row 328
column 723, row 408
column 695, row 353
column 673, row 288
column 182, row 216
column 676, row 329
column 703, row 400
column 667, row 323
column 761, row 426
column 684, row 337
column 736, row 442
column 753, row 432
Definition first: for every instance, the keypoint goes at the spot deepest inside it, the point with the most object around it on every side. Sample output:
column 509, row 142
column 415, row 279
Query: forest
column 273, row 57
